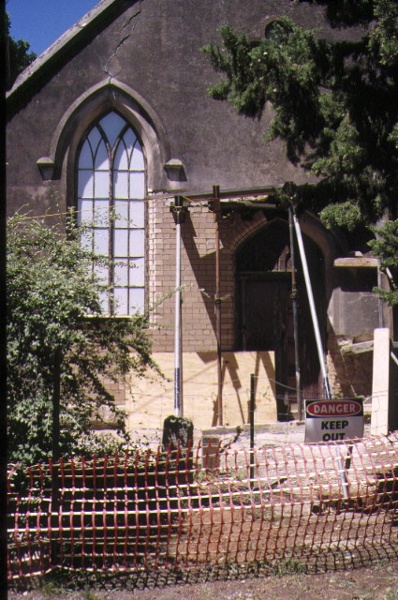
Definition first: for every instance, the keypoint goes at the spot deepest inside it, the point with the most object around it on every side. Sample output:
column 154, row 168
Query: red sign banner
column 333, row 420
column 330, row 408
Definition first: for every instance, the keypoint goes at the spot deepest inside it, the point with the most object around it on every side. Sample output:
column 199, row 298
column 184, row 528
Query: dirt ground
column 378, row 582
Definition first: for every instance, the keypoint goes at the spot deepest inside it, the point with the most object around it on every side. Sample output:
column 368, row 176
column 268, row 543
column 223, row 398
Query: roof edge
column 64, row 40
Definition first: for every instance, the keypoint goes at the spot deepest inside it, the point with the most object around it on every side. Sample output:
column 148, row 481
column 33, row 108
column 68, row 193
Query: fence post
column 251, row 421
column 55, row 451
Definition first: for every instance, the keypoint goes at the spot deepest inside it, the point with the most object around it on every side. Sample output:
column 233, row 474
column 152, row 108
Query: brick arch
column 245, row 229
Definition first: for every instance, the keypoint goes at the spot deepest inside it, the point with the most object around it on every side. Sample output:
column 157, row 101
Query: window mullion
column 111, row 242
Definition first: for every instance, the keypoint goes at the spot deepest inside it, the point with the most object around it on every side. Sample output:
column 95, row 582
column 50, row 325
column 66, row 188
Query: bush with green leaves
column 54, row 313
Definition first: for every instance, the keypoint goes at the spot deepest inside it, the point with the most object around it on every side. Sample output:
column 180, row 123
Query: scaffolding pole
column 295, row 318
column 217, row 302
column 314, row 316
column 179, row 215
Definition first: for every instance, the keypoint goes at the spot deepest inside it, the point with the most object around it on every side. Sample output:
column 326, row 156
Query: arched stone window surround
column 87, row 110
column 89, row 107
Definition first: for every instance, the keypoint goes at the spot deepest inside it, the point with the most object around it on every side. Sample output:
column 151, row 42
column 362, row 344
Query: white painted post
column 177, row 329
column 179, row 215
column 379, row 424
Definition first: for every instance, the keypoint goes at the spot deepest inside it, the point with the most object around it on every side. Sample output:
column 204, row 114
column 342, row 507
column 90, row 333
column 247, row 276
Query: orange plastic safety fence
column 320, row 504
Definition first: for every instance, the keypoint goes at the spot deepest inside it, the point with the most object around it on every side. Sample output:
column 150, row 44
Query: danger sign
column 333, row 420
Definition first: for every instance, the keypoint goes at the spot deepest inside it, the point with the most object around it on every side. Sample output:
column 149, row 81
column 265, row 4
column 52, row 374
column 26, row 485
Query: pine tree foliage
column 334, row 104
column 54, row 310
column 385, row 246
column 18, row 56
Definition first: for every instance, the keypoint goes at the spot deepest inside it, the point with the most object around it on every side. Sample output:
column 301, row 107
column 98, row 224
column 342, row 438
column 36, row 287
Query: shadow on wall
column 203, row 267
column 236, row 369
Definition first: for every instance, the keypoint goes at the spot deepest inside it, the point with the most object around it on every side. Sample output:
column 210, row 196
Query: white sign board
column 333, row 420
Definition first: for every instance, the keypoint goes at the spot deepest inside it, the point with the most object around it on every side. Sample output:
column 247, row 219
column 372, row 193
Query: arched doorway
column 265, row 309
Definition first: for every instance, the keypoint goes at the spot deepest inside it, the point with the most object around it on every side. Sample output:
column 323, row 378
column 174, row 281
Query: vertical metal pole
column 251, row 419
column 217, row 303
column 295, row 319
column 343, row 475
column 56, row 412
column 178, row 401
column 55, row 453
column 380, row 301
column 312, row 307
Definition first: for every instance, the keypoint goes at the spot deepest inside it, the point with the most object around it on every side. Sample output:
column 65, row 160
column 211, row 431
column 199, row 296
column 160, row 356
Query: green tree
column 385, row 246
column 54, row 309
column 18, row 56
column 334, row 105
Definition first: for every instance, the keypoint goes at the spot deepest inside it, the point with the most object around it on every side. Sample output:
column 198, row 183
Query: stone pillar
column 177, row 433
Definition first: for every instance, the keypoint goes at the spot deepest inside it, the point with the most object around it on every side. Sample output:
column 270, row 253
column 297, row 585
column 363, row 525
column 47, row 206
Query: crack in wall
column 130, row 24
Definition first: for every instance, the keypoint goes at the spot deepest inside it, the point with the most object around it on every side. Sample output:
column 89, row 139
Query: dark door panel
column 265, row 310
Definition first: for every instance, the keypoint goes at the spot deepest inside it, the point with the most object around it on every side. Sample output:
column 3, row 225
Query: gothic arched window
column 111, row 179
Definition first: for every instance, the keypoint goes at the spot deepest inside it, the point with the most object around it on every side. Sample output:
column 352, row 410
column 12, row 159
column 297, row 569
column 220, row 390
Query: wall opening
column 264, row 319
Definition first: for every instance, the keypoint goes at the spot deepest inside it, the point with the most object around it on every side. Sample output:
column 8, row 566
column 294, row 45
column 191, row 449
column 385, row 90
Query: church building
column 116, row 115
